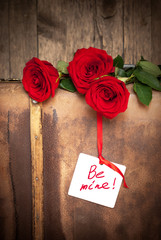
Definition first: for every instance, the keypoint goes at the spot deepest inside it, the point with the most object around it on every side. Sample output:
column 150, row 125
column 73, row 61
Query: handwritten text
column 93, row 174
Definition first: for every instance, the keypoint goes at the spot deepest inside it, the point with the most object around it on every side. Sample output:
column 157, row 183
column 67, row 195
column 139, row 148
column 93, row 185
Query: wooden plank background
column 54, row 30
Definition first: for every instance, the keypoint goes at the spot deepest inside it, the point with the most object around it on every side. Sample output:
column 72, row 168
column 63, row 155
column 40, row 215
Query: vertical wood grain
column 37, row 170
column 156, row 31
column 52, row 29
column 80, row 26
column 109, row 26
column 63, row 27
column 22, row 34
column 137, row 30
column 4, row 41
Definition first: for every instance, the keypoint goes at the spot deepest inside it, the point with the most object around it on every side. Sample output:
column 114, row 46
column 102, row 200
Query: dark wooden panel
column 16, row 193
column 52, row 29
column 23, row 34
column 4, row 41
column 132, row 139
column 109, row 26
column 63, row 27
column 156, row 31
column 80, row 26
column 137, row 30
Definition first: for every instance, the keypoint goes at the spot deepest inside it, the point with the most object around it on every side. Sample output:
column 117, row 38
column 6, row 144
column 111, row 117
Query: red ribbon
column 100, row 143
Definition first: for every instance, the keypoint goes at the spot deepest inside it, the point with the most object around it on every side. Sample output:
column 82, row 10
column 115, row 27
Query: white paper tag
column 94, row 182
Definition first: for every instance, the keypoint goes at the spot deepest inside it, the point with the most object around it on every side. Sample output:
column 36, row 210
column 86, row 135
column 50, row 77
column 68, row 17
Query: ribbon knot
column 102, row 160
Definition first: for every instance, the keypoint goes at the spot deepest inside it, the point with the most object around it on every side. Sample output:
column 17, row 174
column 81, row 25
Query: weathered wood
column 4, row 41
column 156, row 31
column 52, row 29
column 15, row 184
column 80, row 26
column 22, row 34
column 37, row 169
column 137, row 30
column 109, row 26
column 64, row 26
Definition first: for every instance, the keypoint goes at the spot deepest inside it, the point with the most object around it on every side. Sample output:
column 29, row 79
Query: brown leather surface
column 69, row 127
column 15, row 163
column 133, row 138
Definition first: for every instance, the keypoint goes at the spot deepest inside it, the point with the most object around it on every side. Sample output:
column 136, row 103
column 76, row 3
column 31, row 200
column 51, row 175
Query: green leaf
column 129, row 72
column 150, row 67
column 118, row 62
column 143, row 92
column 147, row 79
column 62, row 67
column 67, row 84
column 121, row 73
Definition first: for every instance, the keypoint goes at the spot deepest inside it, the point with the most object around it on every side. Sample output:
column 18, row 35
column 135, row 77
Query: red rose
column 109, row 96
column 87, row 65
column 40, row 79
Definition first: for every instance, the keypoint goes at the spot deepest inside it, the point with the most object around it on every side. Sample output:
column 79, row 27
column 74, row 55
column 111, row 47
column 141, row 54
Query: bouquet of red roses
column 91, row 72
